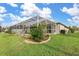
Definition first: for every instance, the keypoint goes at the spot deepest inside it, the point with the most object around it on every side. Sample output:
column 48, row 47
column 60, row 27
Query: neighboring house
column 63, row 27
column 24, row 26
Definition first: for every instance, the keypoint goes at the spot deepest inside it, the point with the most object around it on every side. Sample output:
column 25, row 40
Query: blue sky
column 66, row 13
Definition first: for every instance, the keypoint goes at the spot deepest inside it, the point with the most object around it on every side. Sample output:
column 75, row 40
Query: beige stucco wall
column 61, row 27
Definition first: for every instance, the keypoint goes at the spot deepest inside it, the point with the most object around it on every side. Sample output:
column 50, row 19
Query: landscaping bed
column 28, row 39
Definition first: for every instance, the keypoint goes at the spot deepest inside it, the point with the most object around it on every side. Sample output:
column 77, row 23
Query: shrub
column 9, row 30
column 72, row 30
column 36, row 33
column 62, row 31
column 0, row 29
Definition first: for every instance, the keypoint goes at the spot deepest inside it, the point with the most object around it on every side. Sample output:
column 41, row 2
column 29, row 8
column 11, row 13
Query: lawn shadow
column 58, row 49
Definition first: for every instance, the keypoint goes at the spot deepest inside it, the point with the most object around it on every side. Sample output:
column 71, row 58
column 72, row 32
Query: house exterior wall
column 57, row 29
column 61, row 27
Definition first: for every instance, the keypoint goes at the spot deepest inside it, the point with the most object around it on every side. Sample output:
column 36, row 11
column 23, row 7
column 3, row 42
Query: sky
column 65, row 13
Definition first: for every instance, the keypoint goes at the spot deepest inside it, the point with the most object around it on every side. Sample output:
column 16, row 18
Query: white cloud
column 12, row 16
column 13, row 4
column 74, row 11
column 15, row 19
column 74, row 19
column 19, row 19
column 64, row 9
column 2, row 17
column 2, row 9
column 30, row 8
column 26, row 13
column 46, row 12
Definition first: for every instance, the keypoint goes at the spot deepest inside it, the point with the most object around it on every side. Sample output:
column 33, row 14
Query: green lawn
column 14, row 45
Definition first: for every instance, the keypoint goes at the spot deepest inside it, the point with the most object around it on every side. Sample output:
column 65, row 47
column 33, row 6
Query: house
column 24, row 26
column 63, row 27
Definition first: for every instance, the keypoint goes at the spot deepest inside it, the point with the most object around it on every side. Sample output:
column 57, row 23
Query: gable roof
column 63, row 25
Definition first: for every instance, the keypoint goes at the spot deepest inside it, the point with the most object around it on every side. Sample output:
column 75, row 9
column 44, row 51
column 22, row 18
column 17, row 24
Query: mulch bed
column 28, row 39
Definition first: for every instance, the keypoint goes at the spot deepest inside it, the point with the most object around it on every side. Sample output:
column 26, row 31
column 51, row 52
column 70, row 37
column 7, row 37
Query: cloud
column 74, row 19
column 2, row 9
column 2, row 17
column 30, row 8
column 26, row 13
column 74, row 11
column 13, row 4
column 19, row 19
column 12, row 17
column 15, row 19
column 46, row 12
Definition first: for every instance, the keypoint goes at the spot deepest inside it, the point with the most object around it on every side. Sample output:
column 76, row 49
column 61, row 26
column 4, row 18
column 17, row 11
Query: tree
column 72, row 29
column 0, row 28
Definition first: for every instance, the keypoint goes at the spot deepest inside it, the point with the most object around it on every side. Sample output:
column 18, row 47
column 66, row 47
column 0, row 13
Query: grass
column 59, row 45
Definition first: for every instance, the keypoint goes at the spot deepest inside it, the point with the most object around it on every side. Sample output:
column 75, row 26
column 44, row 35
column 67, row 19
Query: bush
column 62, row 31
column 0, row 29
column 36, row 33
column 9, row 30
column 72, row 30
